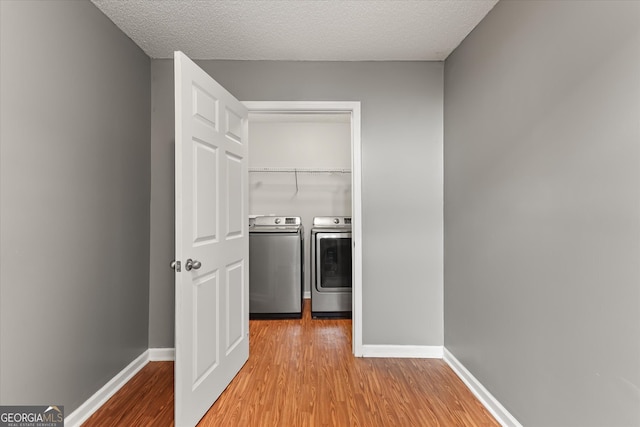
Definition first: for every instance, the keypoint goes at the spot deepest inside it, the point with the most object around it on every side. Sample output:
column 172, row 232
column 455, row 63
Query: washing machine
column 331, row 271
column 276, row 267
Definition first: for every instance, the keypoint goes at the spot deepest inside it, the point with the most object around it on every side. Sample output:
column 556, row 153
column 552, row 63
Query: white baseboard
column 162, row 354
column 484, row 396
column 408, row 351
column 306, row 295
column 91, row 405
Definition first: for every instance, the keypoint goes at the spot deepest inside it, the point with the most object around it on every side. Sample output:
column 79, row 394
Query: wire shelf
column 296, row 171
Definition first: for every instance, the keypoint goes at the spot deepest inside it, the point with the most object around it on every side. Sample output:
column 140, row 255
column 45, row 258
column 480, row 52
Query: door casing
column 353, row 108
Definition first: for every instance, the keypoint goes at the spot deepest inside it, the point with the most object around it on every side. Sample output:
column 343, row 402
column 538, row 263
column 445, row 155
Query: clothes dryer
column 331, row 270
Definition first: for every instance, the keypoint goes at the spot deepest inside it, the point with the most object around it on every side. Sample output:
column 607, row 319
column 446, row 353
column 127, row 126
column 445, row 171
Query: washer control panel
column 276, row 220
column 332, row 221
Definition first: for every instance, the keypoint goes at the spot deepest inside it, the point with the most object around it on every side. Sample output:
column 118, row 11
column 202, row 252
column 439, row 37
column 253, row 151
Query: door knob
column 192, row 264
column 175, row 265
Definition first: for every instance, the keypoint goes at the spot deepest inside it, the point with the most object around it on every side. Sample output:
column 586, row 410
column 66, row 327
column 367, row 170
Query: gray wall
column 402, row 181
column 542, row 210
column 74, row 202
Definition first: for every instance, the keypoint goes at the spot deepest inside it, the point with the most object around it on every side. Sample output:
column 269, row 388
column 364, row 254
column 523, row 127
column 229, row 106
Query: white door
column 212, row 245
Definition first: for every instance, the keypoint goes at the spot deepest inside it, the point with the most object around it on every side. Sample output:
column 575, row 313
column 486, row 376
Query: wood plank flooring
column 302, row 373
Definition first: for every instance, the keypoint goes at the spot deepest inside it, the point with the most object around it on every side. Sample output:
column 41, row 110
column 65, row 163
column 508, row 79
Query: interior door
column 212, row 245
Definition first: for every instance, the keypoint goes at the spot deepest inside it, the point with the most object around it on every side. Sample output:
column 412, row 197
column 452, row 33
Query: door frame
column 353, row 108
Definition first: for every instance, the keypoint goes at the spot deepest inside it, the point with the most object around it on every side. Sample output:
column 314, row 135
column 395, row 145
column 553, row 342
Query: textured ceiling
column 305, row 30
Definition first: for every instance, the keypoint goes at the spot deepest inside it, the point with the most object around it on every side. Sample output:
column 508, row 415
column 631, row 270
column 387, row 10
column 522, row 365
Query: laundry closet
column 300, row 166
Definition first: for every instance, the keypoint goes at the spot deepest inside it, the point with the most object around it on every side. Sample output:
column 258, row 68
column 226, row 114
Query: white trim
column 352, row 107
column 408, row 351
column 91, row 405
column 162, row 354
column 300, row 106
column 492, row 404
column 356, row 206
column 306, row 295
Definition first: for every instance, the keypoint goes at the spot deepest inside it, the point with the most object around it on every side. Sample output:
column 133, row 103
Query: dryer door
column 333, row 262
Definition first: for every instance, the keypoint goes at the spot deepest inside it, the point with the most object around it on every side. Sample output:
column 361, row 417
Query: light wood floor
column 302, row 373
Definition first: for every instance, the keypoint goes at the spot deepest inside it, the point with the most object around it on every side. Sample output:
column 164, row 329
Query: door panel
column 235, row 296
column 212, row 298
column 205, row 167
column 235, row 192
column 234, row 125
column 205, row 319
column 205, row 106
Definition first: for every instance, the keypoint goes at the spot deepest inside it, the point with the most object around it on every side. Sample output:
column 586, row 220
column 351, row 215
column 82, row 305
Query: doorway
column 352, row 109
